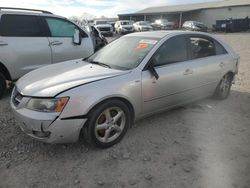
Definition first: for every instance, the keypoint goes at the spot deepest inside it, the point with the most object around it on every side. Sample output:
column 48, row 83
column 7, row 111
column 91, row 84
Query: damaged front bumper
column 48, row 127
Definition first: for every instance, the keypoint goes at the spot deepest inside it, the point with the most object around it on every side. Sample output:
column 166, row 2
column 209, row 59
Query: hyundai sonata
column 137, row 75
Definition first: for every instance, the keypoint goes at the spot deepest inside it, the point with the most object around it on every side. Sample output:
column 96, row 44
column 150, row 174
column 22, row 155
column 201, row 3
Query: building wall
column 151, row 18
column 209, row 16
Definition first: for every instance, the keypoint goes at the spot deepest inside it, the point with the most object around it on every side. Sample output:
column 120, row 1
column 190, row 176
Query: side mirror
column 152, row 70
column 77, row 39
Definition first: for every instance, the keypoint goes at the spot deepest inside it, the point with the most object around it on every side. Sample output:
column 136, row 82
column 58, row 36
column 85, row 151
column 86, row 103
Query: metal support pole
column 145, row 17
column 180, row 21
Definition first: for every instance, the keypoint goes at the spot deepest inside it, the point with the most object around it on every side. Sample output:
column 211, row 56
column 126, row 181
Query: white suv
column 30, row 39
column 124, row 27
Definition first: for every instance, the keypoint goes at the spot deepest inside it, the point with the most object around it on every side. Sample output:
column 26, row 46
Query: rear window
column 202, row 47
column 20, row 26
column 219, row 48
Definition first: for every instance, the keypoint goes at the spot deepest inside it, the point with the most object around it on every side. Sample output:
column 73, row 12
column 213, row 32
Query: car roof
column 159, row 34
column 162, row 34
column 29, row 12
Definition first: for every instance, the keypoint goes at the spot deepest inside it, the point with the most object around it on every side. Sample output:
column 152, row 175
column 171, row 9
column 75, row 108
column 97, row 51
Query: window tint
column 202, row 47
column 219, row 48
column 173, row 50
column 20, row 26
column 61, row 28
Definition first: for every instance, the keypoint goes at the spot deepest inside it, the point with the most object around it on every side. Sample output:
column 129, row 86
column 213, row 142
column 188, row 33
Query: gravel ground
column 205, row 144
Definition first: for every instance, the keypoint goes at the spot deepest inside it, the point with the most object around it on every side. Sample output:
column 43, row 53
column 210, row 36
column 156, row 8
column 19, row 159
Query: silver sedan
column 137, row 75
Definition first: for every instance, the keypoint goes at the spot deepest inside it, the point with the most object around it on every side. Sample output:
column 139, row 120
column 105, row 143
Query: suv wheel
column 107, row 124
column 223, row 89
column 2, row 85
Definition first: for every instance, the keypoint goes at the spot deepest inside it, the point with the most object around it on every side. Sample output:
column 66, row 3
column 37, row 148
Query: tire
column 2, row 85
column 223, row 89
column 107, row 124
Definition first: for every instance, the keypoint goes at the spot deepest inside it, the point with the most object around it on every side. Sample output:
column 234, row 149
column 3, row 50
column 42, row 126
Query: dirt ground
column 206, row 144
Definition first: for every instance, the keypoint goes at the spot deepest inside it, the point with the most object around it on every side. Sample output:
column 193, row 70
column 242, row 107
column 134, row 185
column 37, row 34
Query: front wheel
column 107, row 124
column 223, row 89
column 2, row 85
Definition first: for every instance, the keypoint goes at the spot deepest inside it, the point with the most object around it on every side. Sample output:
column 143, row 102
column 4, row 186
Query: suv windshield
column 198, row 23
column 101, row 22
column 143, row 23
column 124, row 53
column 125, row 23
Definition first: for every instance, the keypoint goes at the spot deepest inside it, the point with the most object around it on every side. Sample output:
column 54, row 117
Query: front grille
column 128, row 28
column 16, row 97
column 104, row 28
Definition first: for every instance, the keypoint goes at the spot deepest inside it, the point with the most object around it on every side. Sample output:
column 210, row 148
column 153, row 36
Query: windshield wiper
column 102, row 64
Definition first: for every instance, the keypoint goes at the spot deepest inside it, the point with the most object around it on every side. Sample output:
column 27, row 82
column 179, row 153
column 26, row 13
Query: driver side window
column 61, row 28
column 172, row 51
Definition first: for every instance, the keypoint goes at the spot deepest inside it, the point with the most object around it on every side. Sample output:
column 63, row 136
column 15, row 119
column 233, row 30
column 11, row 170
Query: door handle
column 188, row 72
column 221, row 64
column 55, row 43
column 2, row 43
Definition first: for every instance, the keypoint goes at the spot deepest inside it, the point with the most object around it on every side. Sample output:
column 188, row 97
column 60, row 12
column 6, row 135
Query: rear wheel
column 223, row 89
column 107, row 124
column 2, row 85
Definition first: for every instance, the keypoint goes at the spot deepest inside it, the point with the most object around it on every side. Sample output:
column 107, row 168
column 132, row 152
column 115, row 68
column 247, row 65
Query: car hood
column 103, row 25
column 127, row 26
column 54, row 79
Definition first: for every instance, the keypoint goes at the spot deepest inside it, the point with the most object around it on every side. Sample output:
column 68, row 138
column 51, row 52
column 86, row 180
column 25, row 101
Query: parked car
column 113, row 24
column 194, row 26
column 142, row 26
column 30, row 39
column 124, row 27
column 98, row 39
column 98, row 98
column 104, row 27
column 163, row 24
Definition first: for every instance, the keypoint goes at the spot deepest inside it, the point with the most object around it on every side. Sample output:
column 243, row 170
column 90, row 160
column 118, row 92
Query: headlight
column 47, row 105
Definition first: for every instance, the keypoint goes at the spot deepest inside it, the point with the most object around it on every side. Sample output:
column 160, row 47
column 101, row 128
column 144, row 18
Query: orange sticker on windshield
column 142, row 46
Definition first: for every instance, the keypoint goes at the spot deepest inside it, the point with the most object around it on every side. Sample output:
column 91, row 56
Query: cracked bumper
column 48, row 127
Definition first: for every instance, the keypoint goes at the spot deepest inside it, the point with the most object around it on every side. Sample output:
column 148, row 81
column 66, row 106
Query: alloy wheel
column 110, row 124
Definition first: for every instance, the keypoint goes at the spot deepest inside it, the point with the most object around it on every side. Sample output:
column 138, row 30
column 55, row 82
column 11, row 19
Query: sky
column 98, row 8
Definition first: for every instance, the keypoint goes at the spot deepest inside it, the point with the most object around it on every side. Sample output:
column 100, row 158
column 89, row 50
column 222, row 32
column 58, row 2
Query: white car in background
column 124, row 27
column 104, row 27
column 142, row 26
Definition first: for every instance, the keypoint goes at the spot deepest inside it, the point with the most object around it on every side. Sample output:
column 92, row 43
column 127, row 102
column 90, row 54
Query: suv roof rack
column 26, row 9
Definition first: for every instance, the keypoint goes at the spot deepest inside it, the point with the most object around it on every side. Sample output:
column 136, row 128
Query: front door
column 61, row 41
column 175, row 82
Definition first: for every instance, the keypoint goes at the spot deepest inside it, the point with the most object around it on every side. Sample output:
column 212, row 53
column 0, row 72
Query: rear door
column 208, row 64
column 61, row 40
column 23, row 44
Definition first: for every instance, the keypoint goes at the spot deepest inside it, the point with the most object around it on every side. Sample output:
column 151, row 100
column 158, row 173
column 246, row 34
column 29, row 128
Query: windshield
column 125, row 23
column 101, row 22
column 143, row 23
column 198, row 23
column 124, row 53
